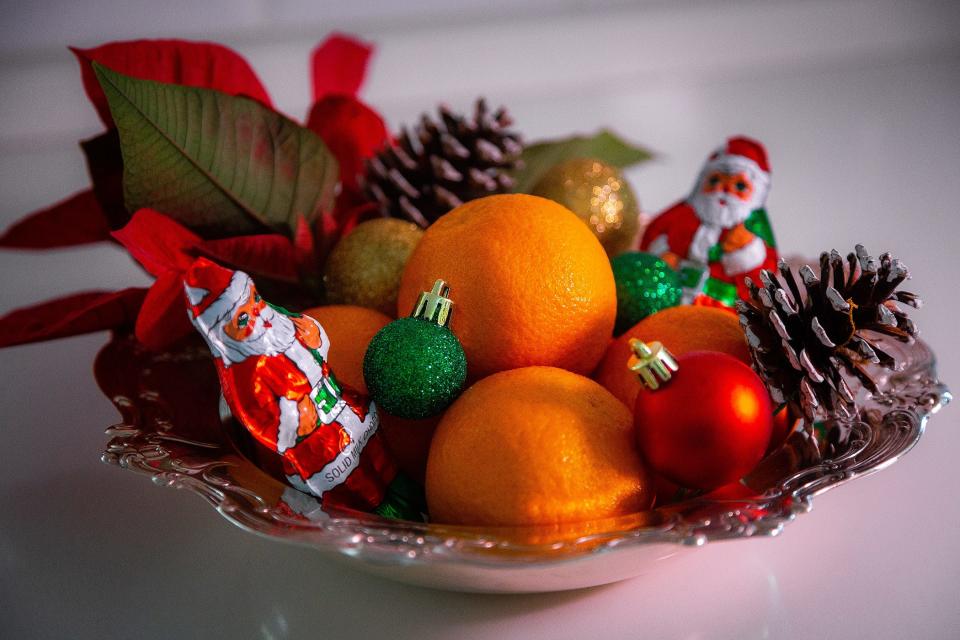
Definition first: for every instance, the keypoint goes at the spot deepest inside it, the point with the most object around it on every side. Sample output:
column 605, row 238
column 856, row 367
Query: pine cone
column 800, row 341
column 443, row 164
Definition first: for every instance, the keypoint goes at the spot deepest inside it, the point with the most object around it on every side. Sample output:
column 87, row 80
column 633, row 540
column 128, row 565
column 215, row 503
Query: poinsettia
column 166, row 249
column 222, row 175
column 196, row 161
column 352, row 130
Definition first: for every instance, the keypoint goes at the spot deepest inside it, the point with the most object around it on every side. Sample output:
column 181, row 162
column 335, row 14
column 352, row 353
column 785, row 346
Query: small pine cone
column 443, row 164
column 801, row 340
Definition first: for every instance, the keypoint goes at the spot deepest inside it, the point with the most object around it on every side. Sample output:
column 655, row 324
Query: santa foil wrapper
column 275, row 378
column 720, row 234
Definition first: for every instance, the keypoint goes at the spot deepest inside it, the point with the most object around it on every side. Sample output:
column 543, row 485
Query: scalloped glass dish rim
column 890, row 424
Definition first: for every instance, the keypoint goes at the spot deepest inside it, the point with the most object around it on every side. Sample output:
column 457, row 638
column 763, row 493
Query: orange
column 531, row 284
column 535, row 446
column 681, row 330
column 349, row 329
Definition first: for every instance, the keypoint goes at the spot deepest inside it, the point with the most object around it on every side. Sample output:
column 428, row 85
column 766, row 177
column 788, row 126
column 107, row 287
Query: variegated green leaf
column 605, row 146
column 221, row 165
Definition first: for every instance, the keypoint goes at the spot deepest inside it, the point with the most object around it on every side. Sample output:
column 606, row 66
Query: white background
column 859, row 104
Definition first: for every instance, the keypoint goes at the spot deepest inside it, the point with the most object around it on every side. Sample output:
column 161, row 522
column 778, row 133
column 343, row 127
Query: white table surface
column 859, row 103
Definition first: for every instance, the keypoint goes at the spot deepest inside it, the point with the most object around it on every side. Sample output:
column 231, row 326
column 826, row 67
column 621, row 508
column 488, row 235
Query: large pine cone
column 443, row 164
column 800, row 341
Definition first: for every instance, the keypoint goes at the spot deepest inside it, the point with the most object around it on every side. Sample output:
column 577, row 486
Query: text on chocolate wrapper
column 344, row 468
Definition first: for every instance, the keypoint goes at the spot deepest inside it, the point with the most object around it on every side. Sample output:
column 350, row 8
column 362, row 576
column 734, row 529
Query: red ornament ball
column 708, row 425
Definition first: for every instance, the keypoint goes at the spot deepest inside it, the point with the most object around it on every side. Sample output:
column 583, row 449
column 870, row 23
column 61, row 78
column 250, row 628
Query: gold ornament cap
column 434, row 305
column 652, row 363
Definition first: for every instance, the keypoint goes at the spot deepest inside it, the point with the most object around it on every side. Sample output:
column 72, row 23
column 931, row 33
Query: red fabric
column 748, row 148
column 769, row 263
column 70, row 316
column 679, row 223
column 195, row 64
column 352, row 130
column 339, row 65
column 74, row 221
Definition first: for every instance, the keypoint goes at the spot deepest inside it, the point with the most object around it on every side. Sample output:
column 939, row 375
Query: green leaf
column 605, row 146
column 221, row 165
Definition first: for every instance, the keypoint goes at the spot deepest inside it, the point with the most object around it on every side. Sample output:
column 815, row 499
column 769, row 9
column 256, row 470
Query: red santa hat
column 212, row 291
column 741, row 153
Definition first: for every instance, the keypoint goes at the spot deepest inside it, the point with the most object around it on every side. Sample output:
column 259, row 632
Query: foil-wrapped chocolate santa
column 720, row 234
column 275, row 378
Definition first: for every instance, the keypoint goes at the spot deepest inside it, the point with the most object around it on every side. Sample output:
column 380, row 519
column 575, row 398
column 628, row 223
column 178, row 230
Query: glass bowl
column 171, row 431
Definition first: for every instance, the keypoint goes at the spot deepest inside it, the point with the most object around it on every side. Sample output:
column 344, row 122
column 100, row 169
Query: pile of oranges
column 532, row 440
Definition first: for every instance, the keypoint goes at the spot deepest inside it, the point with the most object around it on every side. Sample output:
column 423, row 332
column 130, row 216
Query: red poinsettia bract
column 351, row 129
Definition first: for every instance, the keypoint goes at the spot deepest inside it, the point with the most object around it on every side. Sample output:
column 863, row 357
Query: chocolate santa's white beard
column 708, row 208
column 262, row 341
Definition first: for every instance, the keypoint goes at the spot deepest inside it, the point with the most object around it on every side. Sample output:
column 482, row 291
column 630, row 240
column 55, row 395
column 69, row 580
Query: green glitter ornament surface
column 414, row 368
column 645, row 284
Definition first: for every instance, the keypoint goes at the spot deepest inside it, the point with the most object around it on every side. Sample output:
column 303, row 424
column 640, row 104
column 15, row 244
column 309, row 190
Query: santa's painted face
column 253, row 328
column 725, row 198
column 729, row 185
column 246, row 317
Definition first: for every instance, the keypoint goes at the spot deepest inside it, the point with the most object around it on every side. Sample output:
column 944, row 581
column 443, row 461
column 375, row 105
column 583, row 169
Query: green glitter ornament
column 645, row 284
column 415, row 367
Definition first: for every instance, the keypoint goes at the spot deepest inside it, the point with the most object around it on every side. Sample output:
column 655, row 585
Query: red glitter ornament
column 703, row 420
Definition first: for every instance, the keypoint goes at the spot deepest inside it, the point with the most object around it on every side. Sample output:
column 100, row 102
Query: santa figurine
column 720, row 234
column 275, row 378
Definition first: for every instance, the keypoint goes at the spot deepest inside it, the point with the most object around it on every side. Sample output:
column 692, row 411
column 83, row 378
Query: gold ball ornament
column 600, row 196
column 364, row 268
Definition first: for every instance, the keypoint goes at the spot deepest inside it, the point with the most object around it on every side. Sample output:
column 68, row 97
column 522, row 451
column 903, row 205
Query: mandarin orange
column 681, row 330
column 535, row 446
column 530, row 282
column 349, row 329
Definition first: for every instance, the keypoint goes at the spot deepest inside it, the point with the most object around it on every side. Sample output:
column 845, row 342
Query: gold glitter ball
column 600, row 196
column 364, row 268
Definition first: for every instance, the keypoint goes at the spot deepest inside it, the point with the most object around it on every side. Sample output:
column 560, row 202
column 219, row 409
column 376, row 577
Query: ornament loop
column 434, row 305
column 652, row 363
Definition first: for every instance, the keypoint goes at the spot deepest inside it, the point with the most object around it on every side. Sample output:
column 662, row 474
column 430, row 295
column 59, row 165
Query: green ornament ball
column 645, row 284
column 414, row 368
